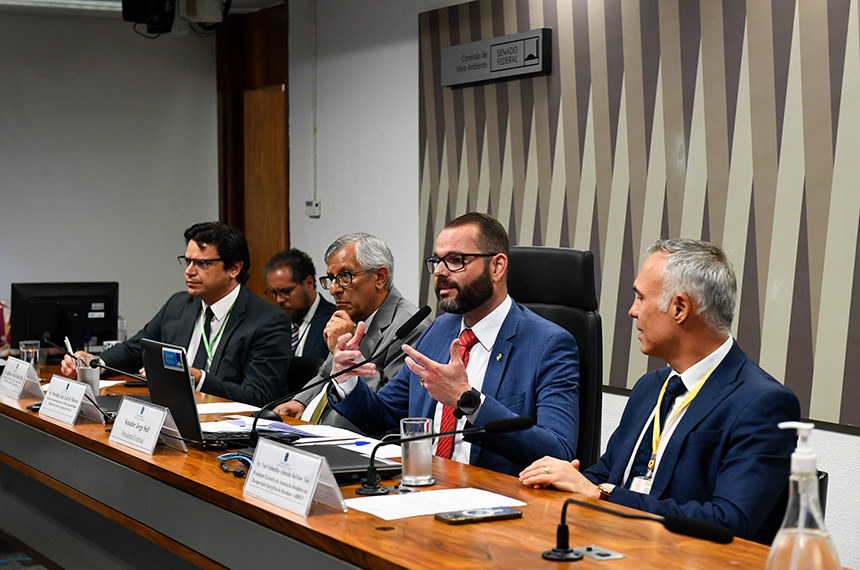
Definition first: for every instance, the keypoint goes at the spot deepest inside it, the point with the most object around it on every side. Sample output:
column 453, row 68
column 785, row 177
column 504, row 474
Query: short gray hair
column 702, row 271
column 370, row 253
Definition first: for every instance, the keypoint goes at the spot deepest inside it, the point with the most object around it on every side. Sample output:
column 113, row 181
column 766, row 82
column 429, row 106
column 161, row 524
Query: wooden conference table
column 83, row 502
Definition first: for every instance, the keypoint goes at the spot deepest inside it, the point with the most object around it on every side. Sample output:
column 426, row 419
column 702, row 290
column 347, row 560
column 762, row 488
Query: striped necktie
column 445, row 447
column 295, row 339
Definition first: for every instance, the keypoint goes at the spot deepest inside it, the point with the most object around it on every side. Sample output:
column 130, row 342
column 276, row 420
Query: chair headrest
column 552, row 275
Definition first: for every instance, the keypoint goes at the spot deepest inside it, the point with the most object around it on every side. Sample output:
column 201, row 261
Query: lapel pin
column 499, row 357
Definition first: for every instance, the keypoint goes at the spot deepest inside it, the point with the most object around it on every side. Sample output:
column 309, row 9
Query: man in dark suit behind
column 291, row 277
column 235, row 340
column 717, row 454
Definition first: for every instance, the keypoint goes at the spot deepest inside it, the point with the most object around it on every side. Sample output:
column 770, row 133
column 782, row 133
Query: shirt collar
column 694, row 374
column 222, row 306
column 487, row 329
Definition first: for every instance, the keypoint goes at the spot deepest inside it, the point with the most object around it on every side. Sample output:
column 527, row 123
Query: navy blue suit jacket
column 727, row 462
column 251, row 361
column 315, row 345
column 533, row 371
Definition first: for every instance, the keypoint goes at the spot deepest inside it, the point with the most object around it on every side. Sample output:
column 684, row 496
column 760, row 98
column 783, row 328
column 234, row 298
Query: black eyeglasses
column 201, row 264
column 273, row 294
column 453, row 261
column 344, row 278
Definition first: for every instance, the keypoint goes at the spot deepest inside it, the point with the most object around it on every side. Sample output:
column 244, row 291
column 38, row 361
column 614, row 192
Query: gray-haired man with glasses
column 235, row 340
column 359, row 276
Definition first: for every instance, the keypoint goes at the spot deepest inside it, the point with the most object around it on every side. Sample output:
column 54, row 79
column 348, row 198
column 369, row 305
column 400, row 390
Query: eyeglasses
column 201, row 264
column 273, row 294
column 453, row 261
column 344, row 278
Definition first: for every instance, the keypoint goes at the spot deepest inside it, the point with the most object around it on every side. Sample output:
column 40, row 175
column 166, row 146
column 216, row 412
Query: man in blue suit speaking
column 487, row 359
column 698, row 438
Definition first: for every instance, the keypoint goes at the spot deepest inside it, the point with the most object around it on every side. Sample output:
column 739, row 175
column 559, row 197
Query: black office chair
column 558, row 284
column 302, row 370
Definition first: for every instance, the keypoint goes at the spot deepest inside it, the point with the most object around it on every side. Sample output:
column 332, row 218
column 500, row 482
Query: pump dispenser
column 802, row 542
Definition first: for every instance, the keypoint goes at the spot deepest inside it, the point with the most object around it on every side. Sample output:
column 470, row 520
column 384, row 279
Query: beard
column 469, row 295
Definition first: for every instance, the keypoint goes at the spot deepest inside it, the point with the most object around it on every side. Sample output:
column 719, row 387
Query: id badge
column 641, row 485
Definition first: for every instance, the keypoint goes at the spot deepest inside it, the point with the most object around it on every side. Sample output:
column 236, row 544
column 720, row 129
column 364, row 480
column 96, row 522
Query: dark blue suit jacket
column 251, row 361
column 533, row 371
column 727, row 462
column 315, row 346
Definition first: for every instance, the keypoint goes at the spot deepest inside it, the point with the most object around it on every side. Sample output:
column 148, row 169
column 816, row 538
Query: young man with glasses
column 360, row 272
column 291, row 277
column 487, row 359
column 235, row 340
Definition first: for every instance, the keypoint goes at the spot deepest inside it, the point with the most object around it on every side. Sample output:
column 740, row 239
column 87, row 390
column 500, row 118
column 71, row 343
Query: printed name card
column 19, row 379
column 138, row 424
column 291, row 478
column 66, row 399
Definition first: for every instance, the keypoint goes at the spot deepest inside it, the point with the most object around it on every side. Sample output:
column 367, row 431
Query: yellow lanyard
column 658, row 433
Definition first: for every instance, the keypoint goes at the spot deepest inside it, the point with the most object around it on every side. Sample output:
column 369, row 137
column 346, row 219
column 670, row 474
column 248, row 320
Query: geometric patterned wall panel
column 735, row 122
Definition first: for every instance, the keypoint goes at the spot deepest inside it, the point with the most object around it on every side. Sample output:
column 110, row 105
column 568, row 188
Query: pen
column 362, row 443
column 70, row 351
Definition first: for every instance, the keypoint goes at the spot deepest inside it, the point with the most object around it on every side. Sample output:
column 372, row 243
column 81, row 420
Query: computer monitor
column 85, row 312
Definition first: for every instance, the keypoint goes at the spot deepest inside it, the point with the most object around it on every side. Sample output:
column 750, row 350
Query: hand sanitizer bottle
column 802, row 542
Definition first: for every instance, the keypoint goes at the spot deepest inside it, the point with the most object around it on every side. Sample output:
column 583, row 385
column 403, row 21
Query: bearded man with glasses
column 235, row 340
column 360, row 278
column 487, row 359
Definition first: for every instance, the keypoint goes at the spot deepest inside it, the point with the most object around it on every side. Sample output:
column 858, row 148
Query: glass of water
column 30, row 353
column 417, row 456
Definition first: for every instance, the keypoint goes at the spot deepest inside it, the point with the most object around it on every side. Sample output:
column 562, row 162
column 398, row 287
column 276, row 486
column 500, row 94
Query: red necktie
column 445, row 447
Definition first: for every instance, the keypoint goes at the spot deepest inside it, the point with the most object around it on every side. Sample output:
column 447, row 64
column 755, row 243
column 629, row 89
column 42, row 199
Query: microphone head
column 46, row 337
column 413, row 322
column 509, row 424
column 697, row 529
column 95, row 362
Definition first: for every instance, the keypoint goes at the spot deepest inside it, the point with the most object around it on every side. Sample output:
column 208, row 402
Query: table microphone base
column 561, row 554
column 366, row 489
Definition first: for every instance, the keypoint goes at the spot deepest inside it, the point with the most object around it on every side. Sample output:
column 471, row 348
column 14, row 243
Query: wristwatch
column 605, row 490
column 468, row 403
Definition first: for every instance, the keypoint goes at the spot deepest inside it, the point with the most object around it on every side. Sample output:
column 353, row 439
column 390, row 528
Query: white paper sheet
column 390, row 507
column 225, row 408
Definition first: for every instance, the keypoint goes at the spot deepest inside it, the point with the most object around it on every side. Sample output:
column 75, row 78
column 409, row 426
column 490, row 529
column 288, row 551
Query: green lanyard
column 210, row 346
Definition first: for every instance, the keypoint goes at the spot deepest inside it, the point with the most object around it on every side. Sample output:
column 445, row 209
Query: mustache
column 443, row 282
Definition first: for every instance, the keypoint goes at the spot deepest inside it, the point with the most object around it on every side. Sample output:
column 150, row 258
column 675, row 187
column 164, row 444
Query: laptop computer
column 171, row 386
column 347, row 465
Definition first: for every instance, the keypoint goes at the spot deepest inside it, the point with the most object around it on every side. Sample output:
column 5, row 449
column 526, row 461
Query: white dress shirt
column 220, row 314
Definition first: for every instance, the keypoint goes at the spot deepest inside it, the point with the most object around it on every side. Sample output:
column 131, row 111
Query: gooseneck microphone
column 96, row 362
column 399, row 335
column 673, row 523
column 372, row 487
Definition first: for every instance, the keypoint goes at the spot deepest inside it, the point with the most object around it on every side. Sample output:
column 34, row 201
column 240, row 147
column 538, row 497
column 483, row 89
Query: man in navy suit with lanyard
column 291, row 277
column 698, row 438
column 235, row 340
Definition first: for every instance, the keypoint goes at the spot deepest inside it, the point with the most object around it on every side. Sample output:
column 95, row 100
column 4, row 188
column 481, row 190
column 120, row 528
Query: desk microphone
column 673, row 523
column 96, row 362
column 399, row 335
column 372, row 487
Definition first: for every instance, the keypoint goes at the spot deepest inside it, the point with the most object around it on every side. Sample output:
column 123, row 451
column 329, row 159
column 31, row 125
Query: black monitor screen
column 85, row 312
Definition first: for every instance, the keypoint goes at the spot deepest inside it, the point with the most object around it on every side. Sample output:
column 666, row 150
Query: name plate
column 291, row 478
column 66, row 399
column 138, row 424
column 525, row 53
column 19, row 379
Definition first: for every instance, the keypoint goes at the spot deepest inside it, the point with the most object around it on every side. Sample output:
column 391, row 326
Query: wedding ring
column 546, row 469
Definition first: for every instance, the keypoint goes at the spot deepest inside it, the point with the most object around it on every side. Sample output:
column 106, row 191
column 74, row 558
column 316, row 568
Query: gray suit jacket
column 392, row 313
